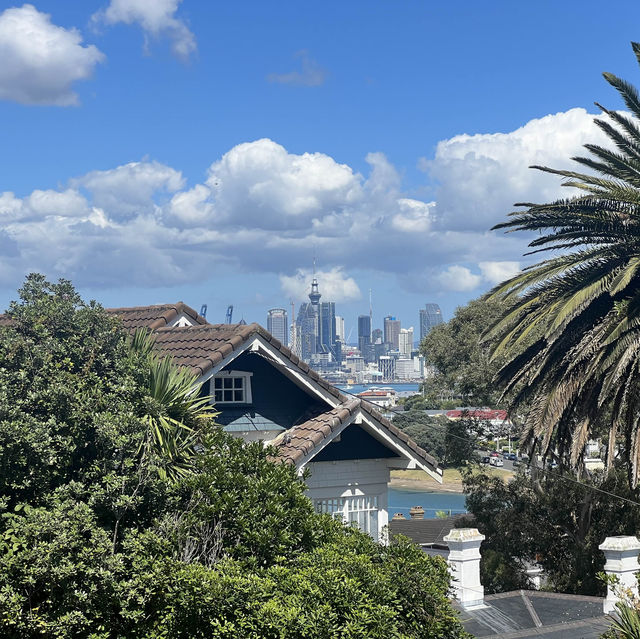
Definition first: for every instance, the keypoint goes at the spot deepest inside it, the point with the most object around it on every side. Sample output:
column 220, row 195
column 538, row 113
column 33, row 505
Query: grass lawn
column 450, row 475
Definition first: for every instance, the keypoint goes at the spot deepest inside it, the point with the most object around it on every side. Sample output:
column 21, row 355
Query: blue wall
column 277, row 403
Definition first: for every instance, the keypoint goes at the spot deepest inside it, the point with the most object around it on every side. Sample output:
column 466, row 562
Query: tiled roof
column 154, row 317
column 298, row 442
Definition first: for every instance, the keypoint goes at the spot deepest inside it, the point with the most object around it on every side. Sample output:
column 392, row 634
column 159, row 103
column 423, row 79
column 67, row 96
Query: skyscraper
column 364, row 332
column 405, row 340
column 392, row 331
column 278, row 324
column 430, row 316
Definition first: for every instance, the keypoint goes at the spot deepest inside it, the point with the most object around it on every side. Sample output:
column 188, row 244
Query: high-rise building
column 392, row 331
column 405, row 341
column 340, row 328
column 376, row 336
column 430, row 316
column 278, row 324
column 364, row 332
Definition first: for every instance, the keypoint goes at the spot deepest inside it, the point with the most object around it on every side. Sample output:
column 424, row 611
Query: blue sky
column 157, row 150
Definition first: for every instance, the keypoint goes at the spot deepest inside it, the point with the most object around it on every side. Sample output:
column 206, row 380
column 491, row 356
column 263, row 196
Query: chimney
column 417, row 512
column 621, row 554
column 397, row 517
column 464, row 563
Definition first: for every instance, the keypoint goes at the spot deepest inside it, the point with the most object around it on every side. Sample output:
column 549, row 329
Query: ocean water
column 401, row 501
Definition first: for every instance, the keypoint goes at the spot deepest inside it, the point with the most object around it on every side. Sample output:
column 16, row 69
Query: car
column 495, row 454
column 485, row 460
column 496, row 461
column 505, row 455
column 513, row 457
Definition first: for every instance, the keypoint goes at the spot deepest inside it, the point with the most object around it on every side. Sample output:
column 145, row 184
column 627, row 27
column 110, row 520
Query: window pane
column 218, row 396
column 228, row 396
column 237, row 396
column 217, row 382
column 237, row 382
column 228, row 382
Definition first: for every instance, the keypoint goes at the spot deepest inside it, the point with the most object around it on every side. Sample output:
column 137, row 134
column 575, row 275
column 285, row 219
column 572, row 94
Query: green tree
column 462, row 361
column 452, row 443
column 95, row 542
column 551, row 519
column 584, row 303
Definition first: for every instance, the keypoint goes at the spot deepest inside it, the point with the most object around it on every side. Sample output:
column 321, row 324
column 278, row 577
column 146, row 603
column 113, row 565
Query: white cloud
column 334, row 285
column 482, row 176
column 458, row 278
column 309, row 75
column 496, row 272
column 129, row 190
column 263, row 209
column 156, row 18
column 41, row 61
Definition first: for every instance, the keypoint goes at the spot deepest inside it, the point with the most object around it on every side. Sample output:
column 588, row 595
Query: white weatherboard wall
column 345, row 486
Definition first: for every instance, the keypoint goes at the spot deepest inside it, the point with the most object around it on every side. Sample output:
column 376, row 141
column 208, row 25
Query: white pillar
column 622, row 561
column 464, row 563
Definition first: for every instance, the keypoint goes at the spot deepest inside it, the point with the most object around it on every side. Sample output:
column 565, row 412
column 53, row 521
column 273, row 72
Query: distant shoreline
column 425, row 486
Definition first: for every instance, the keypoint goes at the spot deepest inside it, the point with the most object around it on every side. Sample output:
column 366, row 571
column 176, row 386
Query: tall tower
column 430, row 316
column 277, row 324
column 314, row 296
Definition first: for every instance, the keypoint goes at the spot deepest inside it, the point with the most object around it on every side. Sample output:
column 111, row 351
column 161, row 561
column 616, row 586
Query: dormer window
column 231, row 387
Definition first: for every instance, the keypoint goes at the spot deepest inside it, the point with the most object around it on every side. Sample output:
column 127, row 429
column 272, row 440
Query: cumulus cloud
column 481, row 176
column 262, row 209
column 309, row 75
column 157, row 18
column 458, row 278
column 496, row 272
column 40, row 60
column 334, row 285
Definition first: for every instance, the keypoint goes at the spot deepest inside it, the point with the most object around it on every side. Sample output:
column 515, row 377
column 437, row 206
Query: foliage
column 452, row 443
column 583, row 303
column 626, row 623
column 96, row 542
column 462, row 362
column 551, row 519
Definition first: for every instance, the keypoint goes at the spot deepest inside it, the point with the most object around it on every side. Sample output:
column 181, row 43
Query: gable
column 276, row 402
column 354, row 443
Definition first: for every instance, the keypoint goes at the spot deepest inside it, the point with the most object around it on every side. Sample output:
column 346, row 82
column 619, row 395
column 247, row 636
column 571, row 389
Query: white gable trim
column 336, row 433
column 258, row 344
column 410, row 461
column 183, row 320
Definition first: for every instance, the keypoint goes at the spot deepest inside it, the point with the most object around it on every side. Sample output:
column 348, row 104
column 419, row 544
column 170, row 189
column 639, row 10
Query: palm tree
column 175, row 411
column 572, row 332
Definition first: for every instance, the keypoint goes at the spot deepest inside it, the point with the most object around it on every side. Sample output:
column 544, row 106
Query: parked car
column 495, row 454
column 513, row 457
column 496, row 461
column 485, row 460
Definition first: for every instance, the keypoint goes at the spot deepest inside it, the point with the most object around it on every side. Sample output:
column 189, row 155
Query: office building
column 430, row 316
column 278, row 324
column 340, row 329
column 364, row 332
column 405, row 341
column 392, row 331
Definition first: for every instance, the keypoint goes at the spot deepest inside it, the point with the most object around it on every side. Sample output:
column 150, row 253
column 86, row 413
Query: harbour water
column 401, row 501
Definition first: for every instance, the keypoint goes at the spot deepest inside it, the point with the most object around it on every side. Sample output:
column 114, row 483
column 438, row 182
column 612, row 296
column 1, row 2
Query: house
column 380, row 397
column 266, row 393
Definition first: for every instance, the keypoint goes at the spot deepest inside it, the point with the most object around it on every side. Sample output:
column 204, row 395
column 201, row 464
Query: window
column 231, row 387
column 360, row 511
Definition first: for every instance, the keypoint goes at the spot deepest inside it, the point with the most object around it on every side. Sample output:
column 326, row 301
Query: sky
column 164, row 150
